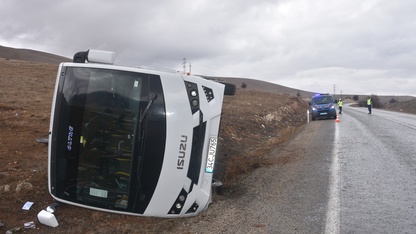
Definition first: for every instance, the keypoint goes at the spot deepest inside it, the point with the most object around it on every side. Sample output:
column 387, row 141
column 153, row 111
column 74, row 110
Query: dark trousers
column 340, row 109
column 369, row 109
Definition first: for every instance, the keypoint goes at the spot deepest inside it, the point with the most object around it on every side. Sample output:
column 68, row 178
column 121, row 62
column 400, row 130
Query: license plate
column 212, row 150
column 323, row 113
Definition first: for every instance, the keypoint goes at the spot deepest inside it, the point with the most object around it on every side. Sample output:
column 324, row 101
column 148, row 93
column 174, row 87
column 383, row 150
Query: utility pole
column 190, row 65
column 334, row 90
column 184, row 65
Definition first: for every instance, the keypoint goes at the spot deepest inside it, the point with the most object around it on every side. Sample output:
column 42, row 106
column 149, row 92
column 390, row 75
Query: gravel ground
column 287, row 196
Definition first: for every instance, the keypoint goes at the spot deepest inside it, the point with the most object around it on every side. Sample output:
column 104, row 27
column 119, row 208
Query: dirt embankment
column 253, row 122
column 403, row 106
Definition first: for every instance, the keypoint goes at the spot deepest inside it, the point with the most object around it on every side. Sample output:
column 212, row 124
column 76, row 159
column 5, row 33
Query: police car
column 323, row 106
column 132, row 141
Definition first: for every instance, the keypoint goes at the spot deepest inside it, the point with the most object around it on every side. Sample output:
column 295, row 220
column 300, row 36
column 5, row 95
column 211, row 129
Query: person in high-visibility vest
column 369, row 103
column 340, row 106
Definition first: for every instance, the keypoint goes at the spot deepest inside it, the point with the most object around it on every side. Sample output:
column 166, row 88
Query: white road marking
column 333, row 207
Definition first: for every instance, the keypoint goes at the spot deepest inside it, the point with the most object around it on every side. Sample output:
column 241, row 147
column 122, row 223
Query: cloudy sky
column 357, row 46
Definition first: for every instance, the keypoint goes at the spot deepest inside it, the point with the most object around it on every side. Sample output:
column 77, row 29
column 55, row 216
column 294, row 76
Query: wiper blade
column 148, row 107
column 139, row 191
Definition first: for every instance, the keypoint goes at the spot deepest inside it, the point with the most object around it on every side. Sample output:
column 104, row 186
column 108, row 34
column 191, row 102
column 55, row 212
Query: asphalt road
column 355, row 176
column 375, row 156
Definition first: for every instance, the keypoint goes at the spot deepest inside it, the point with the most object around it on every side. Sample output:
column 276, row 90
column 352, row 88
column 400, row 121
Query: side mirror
column 47, row 218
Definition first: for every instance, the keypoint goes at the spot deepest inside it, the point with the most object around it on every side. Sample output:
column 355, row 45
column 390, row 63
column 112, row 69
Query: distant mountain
column 262, row 86
column 42, row 57
column 279, row 89
column 31, row 55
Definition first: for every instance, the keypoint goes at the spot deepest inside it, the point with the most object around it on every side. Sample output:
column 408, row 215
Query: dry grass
column 253, row 123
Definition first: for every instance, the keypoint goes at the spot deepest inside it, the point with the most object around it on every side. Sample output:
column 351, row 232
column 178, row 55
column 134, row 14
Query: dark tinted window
column 97, row 138
column 322, row 99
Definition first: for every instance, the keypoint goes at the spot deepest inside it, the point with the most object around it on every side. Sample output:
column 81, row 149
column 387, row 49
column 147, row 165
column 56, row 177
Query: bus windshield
column 96, row 130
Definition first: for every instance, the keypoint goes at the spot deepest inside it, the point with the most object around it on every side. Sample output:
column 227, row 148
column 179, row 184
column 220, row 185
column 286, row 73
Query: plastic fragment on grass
column 29, row 225
column 27, row 205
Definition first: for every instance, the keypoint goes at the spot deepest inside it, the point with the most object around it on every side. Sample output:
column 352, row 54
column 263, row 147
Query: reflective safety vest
column 368, row 101
column 339, row 103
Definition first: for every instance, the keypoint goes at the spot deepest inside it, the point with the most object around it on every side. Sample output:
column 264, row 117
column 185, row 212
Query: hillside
column 403, row 106
column 31, row 55
column 264, row 86
column 251, row 84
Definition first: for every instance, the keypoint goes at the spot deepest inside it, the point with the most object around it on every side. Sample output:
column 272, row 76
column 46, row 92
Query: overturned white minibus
column 132, row 141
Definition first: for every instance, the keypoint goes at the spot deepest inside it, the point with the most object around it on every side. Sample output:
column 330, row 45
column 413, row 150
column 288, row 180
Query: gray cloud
column 364, row 47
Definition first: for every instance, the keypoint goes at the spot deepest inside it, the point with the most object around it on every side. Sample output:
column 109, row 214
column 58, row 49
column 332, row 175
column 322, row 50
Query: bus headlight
column 179, row 202
column 194, row 103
